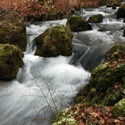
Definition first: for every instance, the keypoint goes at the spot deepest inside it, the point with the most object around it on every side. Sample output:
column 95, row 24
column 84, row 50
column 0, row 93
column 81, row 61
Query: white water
column 45, row 85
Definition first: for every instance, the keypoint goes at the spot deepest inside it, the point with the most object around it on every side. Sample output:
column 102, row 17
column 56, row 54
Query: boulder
column 121, row 11
column 10, row 61
column 95, row 18
column 54, row 41
column 12, row 28
column 77, row 24
column 119, row 108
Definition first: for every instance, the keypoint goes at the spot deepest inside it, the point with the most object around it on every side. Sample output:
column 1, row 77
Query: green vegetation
column 119, row 108
column 65, row 117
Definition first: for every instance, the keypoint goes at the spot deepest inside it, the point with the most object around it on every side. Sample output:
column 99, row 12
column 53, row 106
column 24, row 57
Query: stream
column 46, row 85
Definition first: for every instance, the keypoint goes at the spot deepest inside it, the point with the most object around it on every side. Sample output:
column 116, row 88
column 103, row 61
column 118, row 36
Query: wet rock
column 12, row 29
column 121, row 11
column 77, row 24
column 10, row 61
column 54, row 41
column 119, row 108
column 96, row 18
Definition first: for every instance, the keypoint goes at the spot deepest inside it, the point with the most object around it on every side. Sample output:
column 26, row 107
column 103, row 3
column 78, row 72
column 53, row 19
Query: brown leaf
column 81, row 122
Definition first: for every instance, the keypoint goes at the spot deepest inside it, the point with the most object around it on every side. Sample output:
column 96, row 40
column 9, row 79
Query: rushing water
column 46, row 85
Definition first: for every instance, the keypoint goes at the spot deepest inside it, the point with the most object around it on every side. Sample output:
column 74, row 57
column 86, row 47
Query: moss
column 96, row 19
column 121, row 11
column 65, row 117
column 78, row 99
column 77, row 23
column 64, row 121
column 91, row 93
column 12, row 29
column 54, row 41
column 10, row 61
column 119, row 108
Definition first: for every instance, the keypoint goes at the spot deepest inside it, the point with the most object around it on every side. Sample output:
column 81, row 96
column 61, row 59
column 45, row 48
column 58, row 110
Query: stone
column 10, row 61
column 54, row 41
column 77, row 24
column 95, row 18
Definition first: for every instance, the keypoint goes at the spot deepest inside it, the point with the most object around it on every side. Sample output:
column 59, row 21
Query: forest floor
column 33, row 8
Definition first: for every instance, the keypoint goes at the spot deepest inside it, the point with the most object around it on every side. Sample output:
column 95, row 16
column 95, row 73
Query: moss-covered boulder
column 119, row 108
column 95, row 18
column 121, row 11
column 12, row 29
column 10, row 61
column 112, row 3
column 54, row 41
column 77, row 23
